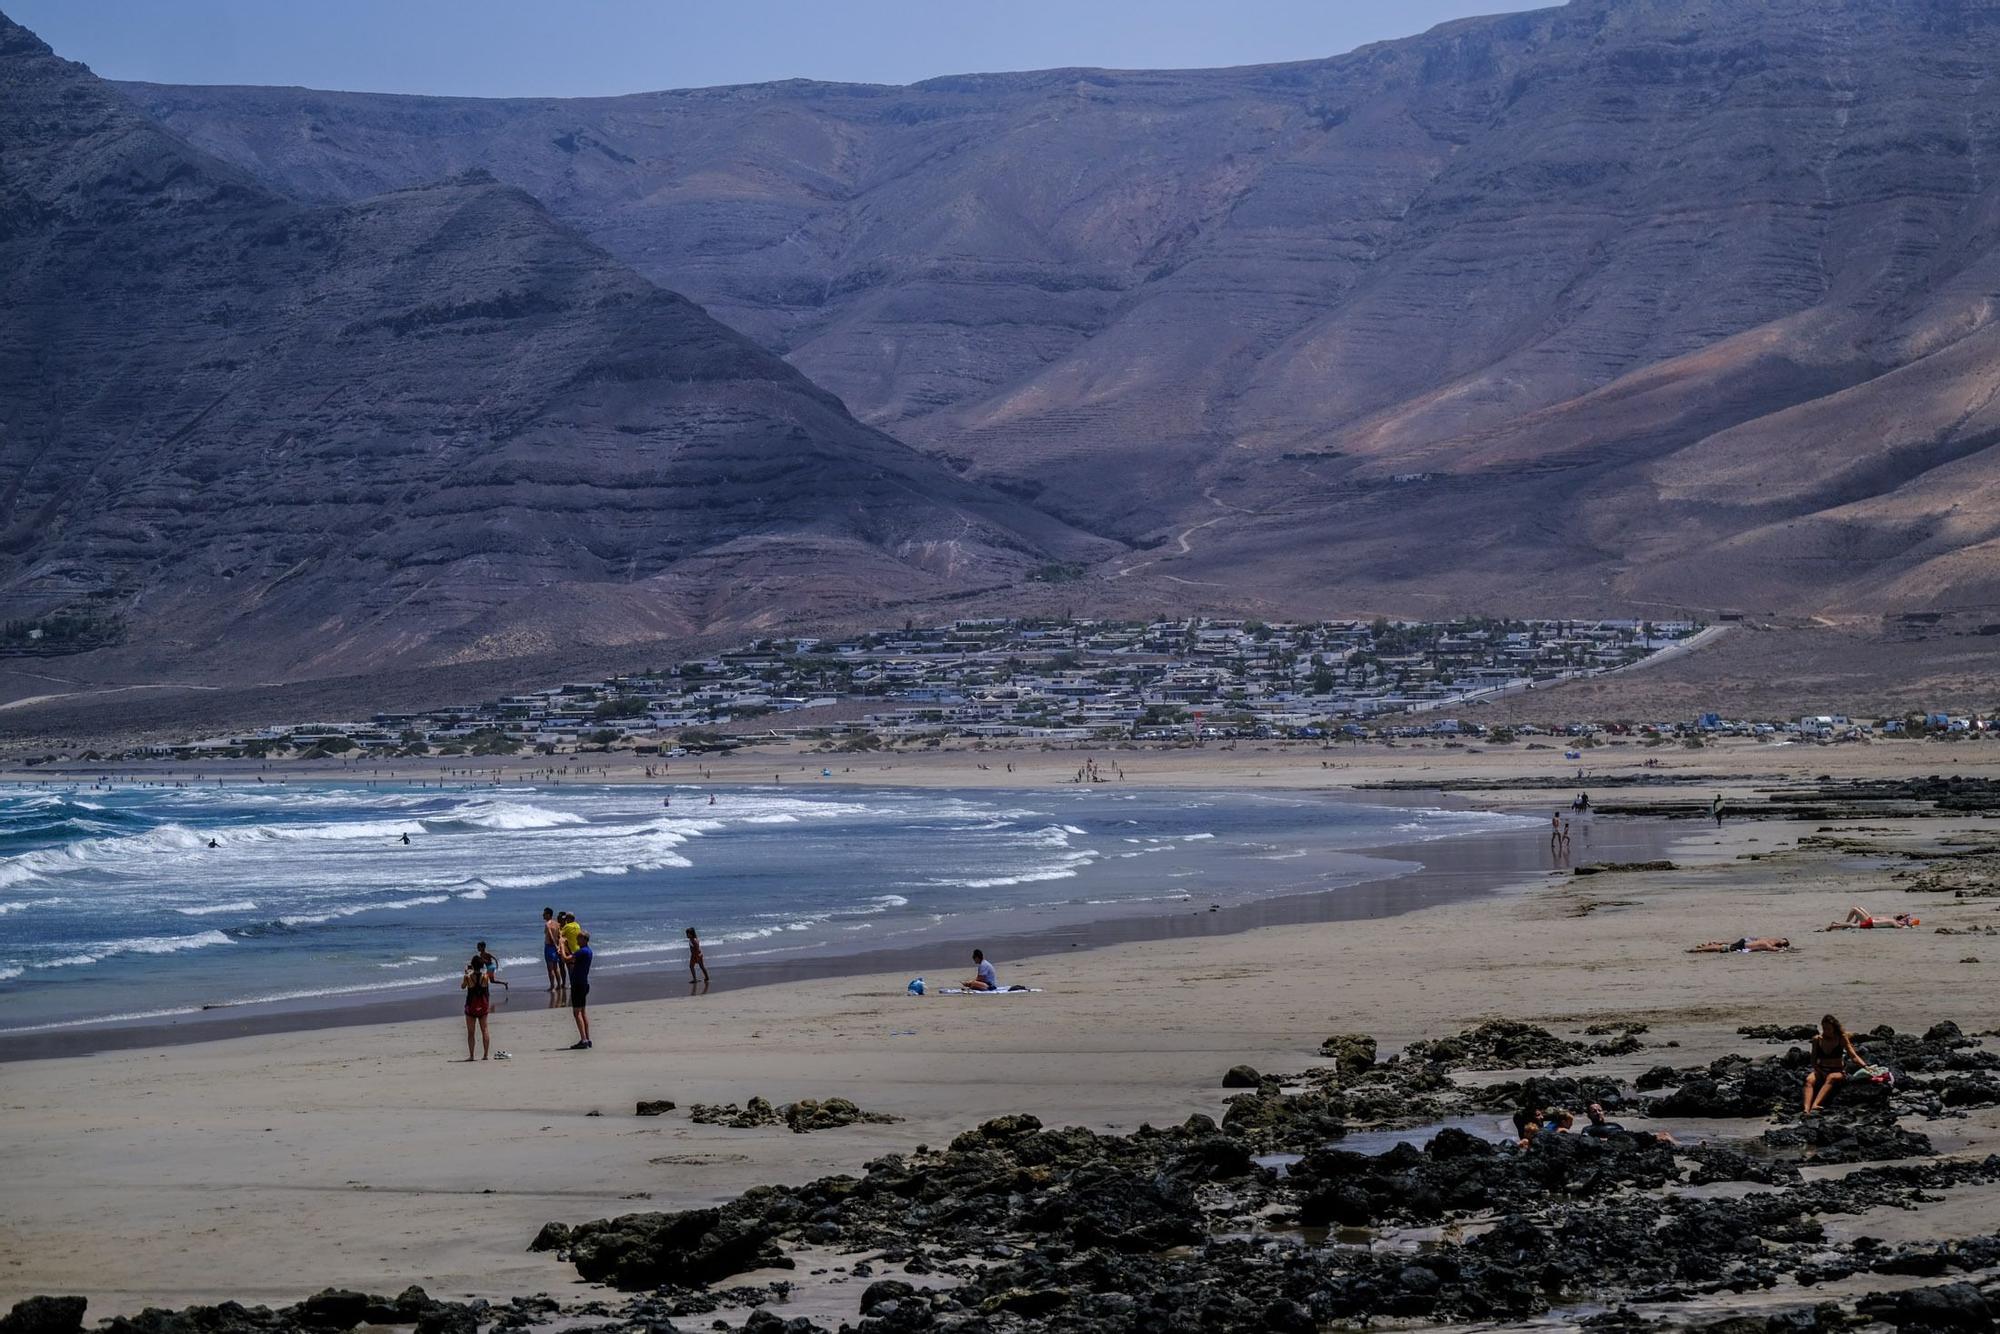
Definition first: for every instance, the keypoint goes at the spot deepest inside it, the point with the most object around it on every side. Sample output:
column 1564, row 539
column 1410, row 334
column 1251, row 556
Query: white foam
column 240, row 905
column 511, row 815
column 9, row 974
column 354, row 909
column 530, row 881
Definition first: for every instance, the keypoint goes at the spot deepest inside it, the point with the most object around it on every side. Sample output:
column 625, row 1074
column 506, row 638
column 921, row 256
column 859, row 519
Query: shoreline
column 1443, row 870
column 263, row 1168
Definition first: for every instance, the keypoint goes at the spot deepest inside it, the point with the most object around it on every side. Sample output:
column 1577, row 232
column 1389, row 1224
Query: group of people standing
column 566, row 951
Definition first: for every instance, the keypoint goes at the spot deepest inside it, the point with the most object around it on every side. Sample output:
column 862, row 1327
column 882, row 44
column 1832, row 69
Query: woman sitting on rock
column 1831, row 1047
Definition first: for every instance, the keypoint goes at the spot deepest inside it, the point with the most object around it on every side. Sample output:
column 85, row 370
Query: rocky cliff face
column 432, row 425
column 1644, row 302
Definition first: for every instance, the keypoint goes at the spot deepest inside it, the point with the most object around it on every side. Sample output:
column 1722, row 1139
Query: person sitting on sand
column 1831, row 1047
column 478, row 1004
column 1860, row 919
column 1743, row 945
column 984, row 979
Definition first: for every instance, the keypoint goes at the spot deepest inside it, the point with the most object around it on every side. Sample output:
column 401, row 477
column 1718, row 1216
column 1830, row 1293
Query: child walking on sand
column 694, row 958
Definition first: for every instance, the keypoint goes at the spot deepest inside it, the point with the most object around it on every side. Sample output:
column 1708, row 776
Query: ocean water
column 113, row 904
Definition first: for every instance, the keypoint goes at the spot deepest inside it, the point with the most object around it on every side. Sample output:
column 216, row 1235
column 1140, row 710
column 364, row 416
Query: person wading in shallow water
column 478, row 1004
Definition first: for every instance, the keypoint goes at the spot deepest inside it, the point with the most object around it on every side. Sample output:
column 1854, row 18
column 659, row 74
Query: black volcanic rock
column 1611, row 301
column 431, row 424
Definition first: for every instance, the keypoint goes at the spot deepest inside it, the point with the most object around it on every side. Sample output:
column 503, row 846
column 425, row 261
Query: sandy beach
column 266, row 1168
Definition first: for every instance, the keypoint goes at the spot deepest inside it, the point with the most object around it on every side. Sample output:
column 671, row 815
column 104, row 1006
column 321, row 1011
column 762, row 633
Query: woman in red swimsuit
column 478, row 1004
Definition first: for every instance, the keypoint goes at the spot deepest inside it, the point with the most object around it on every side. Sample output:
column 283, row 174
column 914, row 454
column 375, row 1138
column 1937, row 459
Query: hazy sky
column 492, row 48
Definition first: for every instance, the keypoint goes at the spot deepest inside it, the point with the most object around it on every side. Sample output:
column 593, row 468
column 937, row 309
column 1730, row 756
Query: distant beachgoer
column 579, row 961
column 552, row 950
column 213, row 844
column 1831, row 1047
column 492, row 966
column 478, row 1004
column 1715, row 809
column 984, row 978
column 1743, row 945
column 1860, row 919
column 711, row 798
column 694, row 957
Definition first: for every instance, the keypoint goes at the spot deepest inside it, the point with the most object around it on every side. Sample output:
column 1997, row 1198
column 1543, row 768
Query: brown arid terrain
column 1625, row 303
column 264, row 440
column 1648, row 307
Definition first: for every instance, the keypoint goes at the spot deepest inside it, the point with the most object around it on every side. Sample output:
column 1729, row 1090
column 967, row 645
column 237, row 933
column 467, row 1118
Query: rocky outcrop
column 1450, row 285
column 269, row 438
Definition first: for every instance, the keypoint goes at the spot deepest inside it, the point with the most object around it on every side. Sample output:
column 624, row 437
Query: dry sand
column 265, row 1168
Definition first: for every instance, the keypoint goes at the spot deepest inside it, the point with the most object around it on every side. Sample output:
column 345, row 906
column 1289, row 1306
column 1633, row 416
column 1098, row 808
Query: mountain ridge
column 1588, row 267
column 431, row 425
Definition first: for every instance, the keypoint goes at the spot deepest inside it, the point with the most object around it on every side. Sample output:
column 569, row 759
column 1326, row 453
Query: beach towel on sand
column 1004, row 991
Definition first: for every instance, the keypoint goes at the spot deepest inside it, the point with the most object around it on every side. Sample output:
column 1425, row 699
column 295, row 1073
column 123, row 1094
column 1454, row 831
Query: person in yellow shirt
column 571, row 930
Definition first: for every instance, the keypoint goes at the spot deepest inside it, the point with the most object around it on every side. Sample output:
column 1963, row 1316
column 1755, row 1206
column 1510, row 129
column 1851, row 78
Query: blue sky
column 493, row 48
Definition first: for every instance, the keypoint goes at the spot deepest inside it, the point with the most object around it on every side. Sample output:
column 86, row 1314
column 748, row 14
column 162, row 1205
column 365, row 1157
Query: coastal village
column 1010, row 681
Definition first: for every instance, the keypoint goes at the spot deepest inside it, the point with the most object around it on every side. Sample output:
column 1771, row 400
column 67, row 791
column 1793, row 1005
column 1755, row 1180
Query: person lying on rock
column 1743, row 945
column 1600, row 1126
column 1831, row 1047
column 1860, row 919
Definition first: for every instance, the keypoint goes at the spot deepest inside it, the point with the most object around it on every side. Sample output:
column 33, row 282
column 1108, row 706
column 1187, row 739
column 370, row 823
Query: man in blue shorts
column 552, row 950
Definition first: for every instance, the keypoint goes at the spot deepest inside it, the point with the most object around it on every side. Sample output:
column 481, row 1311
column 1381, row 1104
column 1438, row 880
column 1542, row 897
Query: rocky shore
column 1709, row 1205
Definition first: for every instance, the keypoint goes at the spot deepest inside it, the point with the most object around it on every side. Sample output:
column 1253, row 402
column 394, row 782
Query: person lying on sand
column 1743, row 945
column 1860, row 919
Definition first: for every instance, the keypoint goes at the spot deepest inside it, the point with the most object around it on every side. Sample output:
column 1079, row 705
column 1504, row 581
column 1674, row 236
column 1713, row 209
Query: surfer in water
column 406, row 840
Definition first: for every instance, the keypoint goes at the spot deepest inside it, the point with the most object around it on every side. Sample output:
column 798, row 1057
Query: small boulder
column 332, row 1309
column 552, row 1237
column 884, row 1290
column 45, row 1315
column 1351, row 1052
column 655, row 1107
column 1241, row 1077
